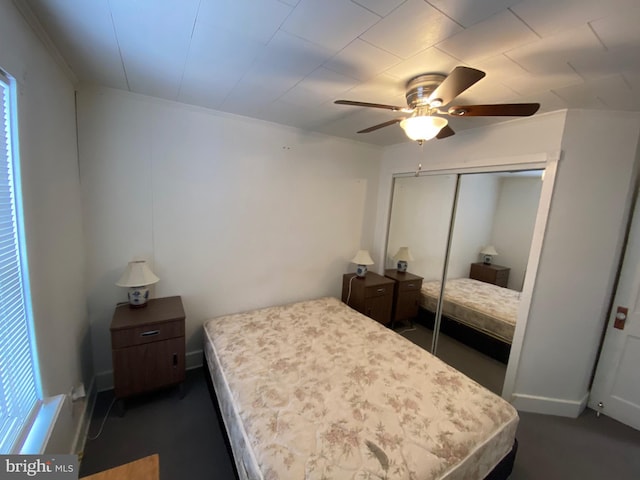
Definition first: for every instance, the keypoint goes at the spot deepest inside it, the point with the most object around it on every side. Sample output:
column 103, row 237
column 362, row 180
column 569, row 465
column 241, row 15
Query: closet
column 470, row 237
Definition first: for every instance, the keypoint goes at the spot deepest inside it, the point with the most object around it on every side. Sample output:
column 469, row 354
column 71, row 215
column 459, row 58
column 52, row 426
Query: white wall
column 582, row 246
column 52, row 210
column 232, row 213
column 420, row 220
column 518, row 199
column 580, row 256
column 474, row 219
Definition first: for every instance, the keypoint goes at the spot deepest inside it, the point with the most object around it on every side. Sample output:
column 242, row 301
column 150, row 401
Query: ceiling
column 286, row 61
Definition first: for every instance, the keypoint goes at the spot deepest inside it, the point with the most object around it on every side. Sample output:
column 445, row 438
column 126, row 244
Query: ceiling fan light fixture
column 423, row 127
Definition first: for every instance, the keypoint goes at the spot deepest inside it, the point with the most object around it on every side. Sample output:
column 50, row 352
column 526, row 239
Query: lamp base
column 402, row 266
column 361, row 271
column 487, row 260
column 138, row 297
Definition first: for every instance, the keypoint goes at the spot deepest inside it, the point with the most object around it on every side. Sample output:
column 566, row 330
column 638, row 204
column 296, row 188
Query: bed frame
column 500, row 471
column 474, row 338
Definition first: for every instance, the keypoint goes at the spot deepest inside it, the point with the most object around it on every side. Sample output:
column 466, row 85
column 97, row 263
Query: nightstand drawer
column 409, row 286
column 378, row 291
column 128, row 337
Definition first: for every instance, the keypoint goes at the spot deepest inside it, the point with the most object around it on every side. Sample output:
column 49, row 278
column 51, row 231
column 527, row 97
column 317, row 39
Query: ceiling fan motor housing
column 421, row 87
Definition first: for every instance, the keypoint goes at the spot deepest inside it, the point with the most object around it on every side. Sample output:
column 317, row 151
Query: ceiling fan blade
column 381, row 125
column 445, row 132
column 393, row 108
column 498, row 110
column 456, row 82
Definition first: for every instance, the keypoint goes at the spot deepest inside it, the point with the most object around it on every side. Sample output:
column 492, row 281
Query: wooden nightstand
column 371, row 295
column 406, row 295
column 148, row 346
column 496, row 274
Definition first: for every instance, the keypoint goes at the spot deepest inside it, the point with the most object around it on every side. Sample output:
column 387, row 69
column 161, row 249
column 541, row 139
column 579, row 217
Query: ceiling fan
column 427, row 93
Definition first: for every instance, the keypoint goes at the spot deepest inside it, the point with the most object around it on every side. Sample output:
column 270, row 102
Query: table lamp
column 402, row 257
column 362, row 259
column 488, row 253
column 138, row 276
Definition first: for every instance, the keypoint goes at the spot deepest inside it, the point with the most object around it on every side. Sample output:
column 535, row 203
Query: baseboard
column 193, row 359
column 104, row 380
column 549, row 406
column 83, row 427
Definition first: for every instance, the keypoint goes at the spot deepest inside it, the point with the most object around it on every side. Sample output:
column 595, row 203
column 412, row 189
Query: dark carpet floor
column 187, row 435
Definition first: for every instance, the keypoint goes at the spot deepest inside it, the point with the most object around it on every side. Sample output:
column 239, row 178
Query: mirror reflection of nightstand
column 490, row 273
column 406, row 296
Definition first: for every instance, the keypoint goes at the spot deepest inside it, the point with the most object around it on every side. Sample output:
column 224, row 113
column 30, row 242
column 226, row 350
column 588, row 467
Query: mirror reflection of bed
column 475, row 231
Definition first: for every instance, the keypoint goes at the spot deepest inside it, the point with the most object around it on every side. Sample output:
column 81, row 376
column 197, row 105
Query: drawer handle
column 380, row 290
column 410, row 285
column 150, row 333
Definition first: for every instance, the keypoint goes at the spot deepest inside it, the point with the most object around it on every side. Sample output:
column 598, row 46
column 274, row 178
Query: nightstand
column 406, row 295
column 371, row 295
column 148, row 346
column 496, row 274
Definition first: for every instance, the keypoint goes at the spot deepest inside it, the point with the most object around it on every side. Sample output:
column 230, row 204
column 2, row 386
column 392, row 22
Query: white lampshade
column 137, row 274
column 423, row 127
column 362, row 258
column 489, row 250
column 403, row 254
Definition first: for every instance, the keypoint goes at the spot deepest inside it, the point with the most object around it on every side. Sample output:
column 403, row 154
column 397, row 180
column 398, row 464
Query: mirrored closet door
column 474, row 231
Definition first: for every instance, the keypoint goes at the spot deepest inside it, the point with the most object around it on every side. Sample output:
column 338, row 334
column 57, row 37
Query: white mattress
column 316, row 390
column 480, row 305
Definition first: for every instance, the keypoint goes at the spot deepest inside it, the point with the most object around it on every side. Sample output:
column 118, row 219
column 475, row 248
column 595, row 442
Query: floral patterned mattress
column 315, row 390
column 483, row 306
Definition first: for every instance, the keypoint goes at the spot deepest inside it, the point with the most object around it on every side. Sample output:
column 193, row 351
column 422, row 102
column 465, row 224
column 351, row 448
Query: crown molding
column 32, row 20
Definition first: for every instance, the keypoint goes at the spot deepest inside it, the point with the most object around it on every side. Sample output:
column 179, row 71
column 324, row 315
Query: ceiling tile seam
column 524, row 23
column 359, row 37
column 605, row 104
column 115, row 33
column 576, row 71
column 506, row 54
column 444, row 52
column 257, row 57
column 186, row 57
column 559, row 97
column 593, row 30
column 371, row 11
column 443, row 13
column 292, row 8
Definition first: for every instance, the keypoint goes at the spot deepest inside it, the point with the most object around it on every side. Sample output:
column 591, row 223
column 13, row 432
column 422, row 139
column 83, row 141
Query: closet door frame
column 547, row 161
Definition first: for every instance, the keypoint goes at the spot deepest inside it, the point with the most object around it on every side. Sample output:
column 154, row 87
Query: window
column 19, row 389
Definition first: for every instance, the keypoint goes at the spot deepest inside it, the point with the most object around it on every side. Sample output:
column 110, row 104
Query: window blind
column 18, row 389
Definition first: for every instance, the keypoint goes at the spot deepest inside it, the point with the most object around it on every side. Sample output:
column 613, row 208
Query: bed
column 482, row 306
column 316, row 390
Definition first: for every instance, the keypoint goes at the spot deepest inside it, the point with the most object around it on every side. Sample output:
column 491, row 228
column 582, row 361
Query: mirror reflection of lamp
column 488, row 253
column 138, row 276
column 402, row 257
column 362, row 259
